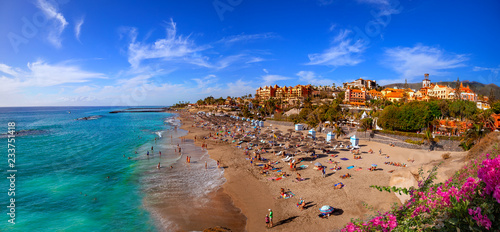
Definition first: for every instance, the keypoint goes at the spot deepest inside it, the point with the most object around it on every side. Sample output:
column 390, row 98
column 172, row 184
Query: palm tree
column 474, row 135
column 366, row 124
column 338, row 131
column 429, row 138
column 485, row 119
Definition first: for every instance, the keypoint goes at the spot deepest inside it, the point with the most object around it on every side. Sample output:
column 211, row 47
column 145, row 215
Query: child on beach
column 270, row 218
column 301, row 204
column 267, row 220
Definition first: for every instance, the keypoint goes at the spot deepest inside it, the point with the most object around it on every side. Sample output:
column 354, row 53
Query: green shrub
column 417, row 142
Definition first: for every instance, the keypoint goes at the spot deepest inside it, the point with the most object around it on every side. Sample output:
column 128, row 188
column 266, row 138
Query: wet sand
column 187, row 197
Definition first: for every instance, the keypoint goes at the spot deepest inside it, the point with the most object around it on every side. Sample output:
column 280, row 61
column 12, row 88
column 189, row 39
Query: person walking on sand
column 270, row 218
column 380, row 151
column 205, row 164
column 323, row 172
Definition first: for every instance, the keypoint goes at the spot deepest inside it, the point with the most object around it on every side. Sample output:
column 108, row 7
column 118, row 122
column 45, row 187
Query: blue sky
column 68, row 52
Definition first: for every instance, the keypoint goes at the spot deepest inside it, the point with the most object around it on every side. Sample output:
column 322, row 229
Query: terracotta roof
column 394, row 95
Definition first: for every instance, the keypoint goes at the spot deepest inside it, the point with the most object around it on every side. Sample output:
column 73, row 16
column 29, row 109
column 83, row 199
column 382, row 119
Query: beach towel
column 303, row 166
column 260, row 165
column 279, row 178
column 350, row 167
column 358, row 169
column 289, row 194
column 278, row 171
column 344, row 158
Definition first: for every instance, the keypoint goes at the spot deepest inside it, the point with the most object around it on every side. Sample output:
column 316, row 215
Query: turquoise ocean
column 95, row 175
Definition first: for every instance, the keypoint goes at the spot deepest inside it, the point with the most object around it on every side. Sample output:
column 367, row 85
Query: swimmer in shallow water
column 158, row 165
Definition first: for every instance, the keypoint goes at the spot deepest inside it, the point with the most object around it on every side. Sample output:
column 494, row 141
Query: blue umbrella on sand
column 326, row 209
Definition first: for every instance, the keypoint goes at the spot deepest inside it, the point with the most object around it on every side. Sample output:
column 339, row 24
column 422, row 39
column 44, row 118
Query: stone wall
column 399, row 140
column 282, row 123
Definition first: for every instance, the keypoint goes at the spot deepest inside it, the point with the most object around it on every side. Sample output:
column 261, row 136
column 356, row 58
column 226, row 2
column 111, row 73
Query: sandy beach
column 255, row 193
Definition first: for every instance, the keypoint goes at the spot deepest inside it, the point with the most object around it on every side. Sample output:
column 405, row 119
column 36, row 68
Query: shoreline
column 236, row 184
column 186, row 197
column 254, row 194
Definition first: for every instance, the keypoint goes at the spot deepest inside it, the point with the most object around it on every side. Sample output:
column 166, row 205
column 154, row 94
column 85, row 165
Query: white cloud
column 411, row 62
column 43, row 74
column 78, row 27
column 170, row 48
column 205, row 81
column 36, row 84
column 246, row 38
column 228, row 60
column 271, row 79
column 178, row 49
column 309, row 77
column 478, row 69
column 386, row 7
column 239, row 88
column 343, row 52
column 255, row 60
column 59, row 22
column 375, row 2
column 332, row 27
column 8, row 70
column 84, row 89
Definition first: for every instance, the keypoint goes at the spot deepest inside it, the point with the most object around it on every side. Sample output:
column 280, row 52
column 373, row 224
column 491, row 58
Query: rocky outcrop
column 409, row 177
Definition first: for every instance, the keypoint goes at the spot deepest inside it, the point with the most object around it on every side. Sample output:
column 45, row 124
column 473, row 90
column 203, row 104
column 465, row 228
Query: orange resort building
column 286, row 93
column 361, row 83
column 360, row 96
column 357, row 94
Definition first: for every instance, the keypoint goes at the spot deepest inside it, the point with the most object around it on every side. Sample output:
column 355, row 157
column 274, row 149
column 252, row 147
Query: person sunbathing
column 338, row 185
column 345, row 176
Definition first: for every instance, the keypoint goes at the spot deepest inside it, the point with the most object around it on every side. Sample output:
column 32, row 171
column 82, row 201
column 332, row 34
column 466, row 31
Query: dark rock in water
column 217, row 229
column 24, row 133
column 141, row 110
column 90, row 117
